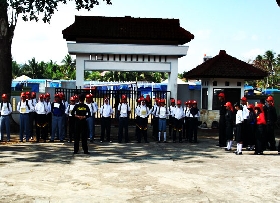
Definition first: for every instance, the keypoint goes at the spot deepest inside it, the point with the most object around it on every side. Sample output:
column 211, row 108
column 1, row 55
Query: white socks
column 159, row 136
column 239, row 147
column 164, row 136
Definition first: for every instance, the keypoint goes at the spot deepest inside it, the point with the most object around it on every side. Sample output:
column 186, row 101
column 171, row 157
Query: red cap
column 221, row 95
column 23, row 94
column 47, row 95
column 72, row 99
column 269, row 98
column 27, row 93
column 56, row 95
column 250, row 106
column 172, row 100
column 194, row 102
column 5, row 96
column 228, row 104
column 123, row 96
column 162, row 101
column 41, row 96
column 33, row 94
column 259, row 106
column 179, row 102
column 243, row 99
column 88, row 96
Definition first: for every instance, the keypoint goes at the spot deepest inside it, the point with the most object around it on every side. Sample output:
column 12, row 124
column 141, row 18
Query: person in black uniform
column 271, row 118
column 81, row 112
column 222, row 121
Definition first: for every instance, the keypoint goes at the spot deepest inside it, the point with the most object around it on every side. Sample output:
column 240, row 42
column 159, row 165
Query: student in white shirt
column 162, row 113
column 171, row 118
column 41, row 119
column 155, row 118
column 71, row 119
column 6, row 110
column 143, row 112
column 123, row 113
column 93, row 110
column 238, row 121
column 193, row 115
column 178, row 114
column 106, row 112
column 23, row 108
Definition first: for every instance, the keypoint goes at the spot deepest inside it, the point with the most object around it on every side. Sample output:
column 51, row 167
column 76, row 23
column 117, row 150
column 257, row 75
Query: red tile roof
column 225, row 66
column 127, row 30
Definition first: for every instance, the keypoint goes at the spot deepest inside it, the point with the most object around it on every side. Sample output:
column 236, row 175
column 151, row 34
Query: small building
column 127, row 44
column 222, row 73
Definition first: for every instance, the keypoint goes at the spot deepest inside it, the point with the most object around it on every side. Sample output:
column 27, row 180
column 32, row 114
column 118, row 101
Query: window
column 205, row 98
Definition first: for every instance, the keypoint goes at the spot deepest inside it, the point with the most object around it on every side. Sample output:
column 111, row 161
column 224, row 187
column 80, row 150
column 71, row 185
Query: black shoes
column 238, row 153
column 226, row 149
column 86, row 153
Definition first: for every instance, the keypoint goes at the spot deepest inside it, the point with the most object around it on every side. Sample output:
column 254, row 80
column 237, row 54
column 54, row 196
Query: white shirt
column 179, row 113
column 154, row 110
column 41, row 108
column 162, row 112
column 69, row 109
column 31, row 104
column 92, row 108
column 22, row 107
column 193, row 116
column 245, row 112
column 106, row 110
column 142, row 111
column 171, row 109
column 124, row 108
column 5, row 110
column 187, row 111
column 49, row 107
column 239, row 117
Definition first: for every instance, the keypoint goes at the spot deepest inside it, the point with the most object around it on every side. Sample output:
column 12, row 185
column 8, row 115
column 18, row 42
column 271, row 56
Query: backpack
column 7, row 105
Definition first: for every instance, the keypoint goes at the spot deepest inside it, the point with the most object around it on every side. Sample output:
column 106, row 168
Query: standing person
column 178, row 114
column 186, row 129
column 229, row 125
column 57, row 109
column 193, row 119
column 71, row 119
column 143, row 113
column 162, row 113
column 171, row 118
column 252, row 127
column 93, row 117
column 261, row 122
column 123, row 112
column 271, row 118
column 6, row 110
column 155, row 119
column 106, row 112
column 41, row 119
column 47, row 98
column 90, row 123
column 31, row 113
column 64, row 120
column 238, row 122
column 81, row 112
column 222, row 120
column 137, row 118
column 23, row 108
column 245, row 124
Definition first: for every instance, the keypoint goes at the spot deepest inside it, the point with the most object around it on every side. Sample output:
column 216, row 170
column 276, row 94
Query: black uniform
column 222, row 125
column 80, row 109
column 271, row 118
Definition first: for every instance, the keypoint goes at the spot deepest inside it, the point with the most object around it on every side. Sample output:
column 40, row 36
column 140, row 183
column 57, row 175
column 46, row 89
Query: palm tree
column 68, row 68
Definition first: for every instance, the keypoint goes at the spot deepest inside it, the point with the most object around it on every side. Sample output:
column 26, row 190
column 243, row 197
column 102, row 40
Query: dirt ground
column 137, row 172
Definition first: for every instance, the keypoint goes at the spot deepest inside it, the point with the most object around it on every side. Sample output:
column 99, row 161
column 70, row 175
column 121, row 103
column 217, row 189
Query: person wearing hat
column 193, row 115
column 31, row 113
column 162, row 113
column 6, row 110
column 123, row 114
column 178, row 114
column 71, row 119
column 238, row 121
column 155, row 118
column 186, row 126
column 143, row 113
column 245, row 124
column 106, row 112
column 81, row 112
column 23, row 108
column 222, row 120
column 251, row 127
column 229, row 125
column 94, row 103
column 271, row 118
column 47, row 98
column 57, row 109
column 137, row 118
column 90, row 122
column 261, row 122
column 64, row 117
column 171, row 118
column 41, row 119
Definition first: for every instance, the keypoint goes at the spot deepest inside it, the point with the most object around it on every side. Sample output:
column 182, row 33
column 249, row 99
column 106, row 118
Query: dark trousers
column 238, row 135
column 177, row 126
column 105, row 126
column 186, row 128
column 222, row 131
column 32, row 119
column 155, row 126
column 93, row 126
column 245, row 133
column 41, row 127
column 143, row 122
column 170, row 124
column 80, row 132
column 71, row 124
column 49, row 121
column 251, row 133
column 259, row 139
column 193, row 129
column 270, row 136
column 123, row 124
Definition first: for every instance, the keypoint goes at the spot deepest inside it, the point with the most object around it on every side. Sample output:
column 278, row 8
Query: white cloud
column 252, row 54
column 254, row 37
column 239, row 36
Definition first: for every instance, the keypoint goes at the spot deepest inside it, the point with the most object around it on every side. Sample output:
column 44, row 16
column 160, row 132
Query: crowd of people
column 251, row 126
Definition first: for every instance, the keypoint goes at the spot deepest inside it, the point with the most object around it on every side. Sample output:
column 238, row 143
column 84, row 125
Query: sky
column 244, row 28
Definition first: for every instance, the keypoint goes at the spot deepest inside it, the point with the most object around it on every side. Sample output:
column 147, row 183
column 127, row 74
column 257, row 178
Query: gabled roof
column 127, row 30
column 225, row 66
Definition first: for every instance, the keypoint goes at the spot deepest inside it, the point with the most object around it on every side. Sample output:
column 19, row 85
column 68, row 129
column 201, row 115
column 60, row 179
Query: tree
column 16, row 70
column 10, row 11
column 68, row 68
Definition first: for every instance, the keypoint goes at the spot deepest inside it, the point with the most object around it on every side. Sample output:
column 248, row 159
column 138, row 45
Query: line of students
column 181, row 120
column 254, row 126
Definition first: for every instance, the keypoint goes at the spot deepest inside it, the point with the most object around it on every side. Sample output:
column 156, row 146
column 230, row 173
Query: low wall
column 208, row 116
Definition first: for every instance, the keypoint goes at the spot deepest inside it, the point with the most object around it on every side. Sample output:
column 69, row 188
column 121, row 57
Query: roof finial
column 222, row 52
